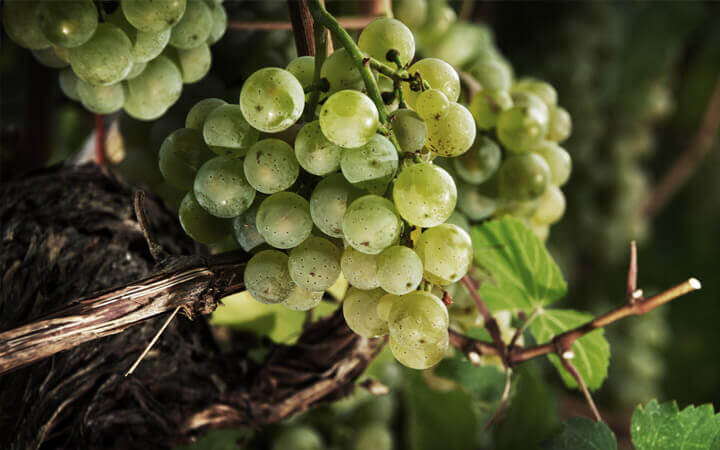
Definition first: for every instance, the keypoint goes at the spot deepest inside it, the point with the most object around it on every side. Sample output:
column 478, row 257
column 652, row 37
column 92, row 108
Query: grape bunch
column 133, row 56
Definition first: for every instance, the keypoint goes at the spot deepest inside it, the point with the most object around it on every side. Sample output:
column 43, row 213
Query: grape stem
column 321, row 47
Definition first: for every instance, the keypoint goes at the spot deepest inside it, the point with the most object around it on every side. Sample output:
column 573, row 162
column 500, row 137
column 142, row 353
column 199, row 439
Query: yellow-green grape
column 371, row 224
column 385, row 37
column 463, row 310
column 315, row 152
column 340, row 71
column 523, row 209
column 399, row 270
column 68, row 23
column 219, row 24
column 68, row 84
column 551, row 207
column 446, row 253
column 194, row 26
column 105, row 59
column 360, row 269
column 20, row 21
column 270, row 166
column 193, row 63
column 147, row 45
column 541, row 231
column 302, row 300
column 459, row 219
column 475, row 202
column 523, row 127
column 303, row 68
column 486, row 107
column 373, row 436
column 438, row 74
column 227, row 132
column 137, row 69
column 198, row 224
column 374, row 162
column 349, row 119
column 558, row 160
column 541, row 89
column 431, row 104
column 101, row 99
column 267, row 278
column 418, row 319
column 221, row 187
column 523, row 177
column 315, row 264
column 385, row 304
column 560, row 125
column 49, row 58
column 360, row 311
column 492, row 74
column 156, row 89
column 283, row 220
column 329, row 201
column 181, row 155
column 148, row 15
column 422, row 357
column 411, row 12
column 424, row 194
column 245, row 230
column 461, row 43
column 298, row 438
column 479, row 163
column 410, row 130
column 200, row 111
column 272, row 100
column 452, row 134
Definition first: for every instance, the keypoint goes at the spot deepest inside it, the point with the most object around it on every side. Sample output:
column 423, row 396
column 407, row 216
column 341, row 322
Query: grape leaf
column 665, row 426
column 523, row 275
column 581, row 433
column 484, row 383
column 592, row 351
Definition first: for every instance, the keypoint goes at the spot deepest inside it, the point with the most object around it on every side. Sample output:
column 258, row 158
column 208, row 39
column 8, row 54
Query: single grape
column 284, row 220
column 198, row 224
column 479, row 163
column 410, row 130
column 315, row 264
column 523, row 126
column 374, row 162
column 267, row 278
column 303, row 68
column 492, row 74
column 523, row 177
column 315, row 152
column 68, row 84
column 459, row 219
column 541, row 231
column 219, row 24
column 20, row 21
column 221, row 187
column 341, row 73
column 270, row 166
column 101, row 99
column 181, row 155
column 474, row 202
column 329, row 201
column 452, row 134
column 523, row 209
column 461, row 43
column 49, row 58
column 193, row 63
column 446, row 253
column 154, row 16
column 424, row 194
column 411, row 12
column 543, row 90
column 438, row 74
column 418, row 319
column 419, row 358
column 298, row 438
column 147, row 45
column 349, row 119
column 105, row 59
column 385, row 304
column 551, row 207
column 360, row 269
column 137, row 69
column 560, row 125
column 68, row 23
column 372, row 224
column 227, row 132
column 200, row 111
column 558, row 160
column 432, row 103
column 302, row 300
column 272, row 100
column 374, row 436
column 156, row 89
column 486, row 107
column 386, row 37
column 399, row 270
column 194, row 26
column 360, row 311
column 245, row 230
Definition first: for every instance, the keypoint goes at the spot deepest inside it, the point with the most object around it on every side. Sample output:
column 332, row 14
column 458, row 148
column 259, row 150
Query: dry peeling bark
column 68, row 233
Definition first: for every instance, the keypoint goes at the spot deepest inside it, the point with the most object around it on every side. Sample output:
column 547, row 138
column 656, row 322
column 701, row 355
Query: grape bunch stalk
column 327, row 168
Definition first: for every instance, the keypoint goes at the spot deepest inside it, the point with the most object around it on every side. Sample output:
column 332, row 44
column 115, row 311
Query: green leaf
column 665, row 426
column 523, row 275
column 592, row 351
column 581, row 433
column 484, row 383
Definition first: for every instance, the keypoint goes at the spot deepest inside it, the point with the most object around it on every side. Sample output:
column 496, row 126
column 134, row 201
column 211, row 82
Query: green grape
column 341, row 73
column 245, row 230
column 283, row 220
column 198, row 224
column 147, row 45
column 375, row 436
column 267, row 278
column 360, row 269
column 399, row 270
column 105, row 59
column 315, row 264
column 541, row 89
column 374, row 162
column 49, row 58
column 459, row 219
column 181, row 155
column 461, row 43
column 62, row 53
column 419, row 358
column 551, row 207
column 492, row 74
column 193, row 63
column 298, row 438
column 200, row 111
column 315, row 152
column 329, row 201
column 410, row 130
column 524, row 209
column 227, row 132
column 560, row 125
column 349, row 119
column 432, row 103
column 272, row 100
column 303, row 68
column 68, row 84
column 418, row 319
column 523, row 126
column 101, row 99
column 194, row 27
column 446, row 253
column 302, row 300
column 371, row 224
column 385, row 304
column 219, row 23
column 486, row 107
column 410, row 12
column 221, row 187
column 439, row 75
column 137, row 69
column 360, row 311
column 424, row 194
column 474, row 202
column 148, row 15
column 384, row 37
column 270, row 166
column 68, row 23
column 523, row 177
column 452, row 134
column 157, row 88
column 479, row 163
column 20, row 21
column 558, row 160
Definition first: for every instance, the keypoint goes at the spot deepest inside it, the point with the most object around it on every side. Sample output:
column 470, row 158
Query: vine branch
column 570, row 367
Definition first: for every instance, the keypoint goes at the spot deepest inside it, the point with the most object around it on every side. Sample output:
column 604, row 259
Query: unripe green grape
column 68, row 23
column 227, row 132
column 283, row 220
column 541, row 89
column 302, row 300
column 374, row 162
column 410, row 130
column 315, row 264
column 411, row 12
column 303, row 68
column 558, row 160
column 486, row 107
column 424, row 194
column 385, row 304
column 523, row 177
column 221, row 187
column 329, row 201
column 432, row 103
column 418, row 319
column 298, row 438
column 341, row 73
column 438, row 74
column 21, row 23
column 148, row 15
column 219, row 23
column 349, row 119
column 267, row 278
column 479, row 163
column 371, row 224
column 181, row 155
column 272, row 99
column 399, row 270
column 157, row 88
column 49, row 58
column 193, row 63
column 446, row 253
column 523, row 209
column 101, row 99
column 492, row 74
column 270, row 166
column 524, row 126
column 459, row 219
column 105, row 59
column 419, row 358
column 137, row 69
column 360, row 269
column 194, row 26
column 560, row 125
column 475, row 203
column 383, row 35
column 245, row 230
column 315, row 152
column 147, row 45
column 551, row 206
column 198, row 224
column 68, row 84
column 360, row 312
column 452, row 134
column 200, row 111
column 374, row 436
